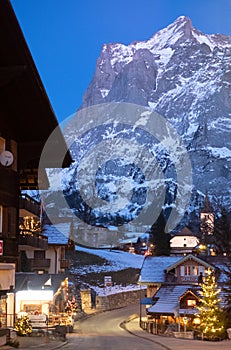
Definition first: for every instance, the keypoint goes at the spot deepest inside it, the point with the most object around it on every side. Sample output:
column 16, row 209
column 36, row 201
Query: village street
column 103, row 331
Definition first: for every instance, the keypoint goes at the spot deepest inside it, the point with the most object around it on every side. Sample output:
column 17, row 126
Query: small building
column 40, row 294
column 184, row 242
column 206, row 220
column 58, row 245
column 174, row 304
column 172, row 283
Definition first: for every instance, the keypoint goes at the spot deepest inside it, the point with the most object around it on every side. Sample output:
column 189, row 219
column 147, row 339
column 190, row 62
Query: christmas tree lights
column 23, row 326
column 210, row 314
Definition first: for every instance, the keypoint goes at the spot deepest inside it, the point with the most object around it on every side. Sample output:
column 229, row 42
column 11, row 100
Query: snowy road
column 103, row 332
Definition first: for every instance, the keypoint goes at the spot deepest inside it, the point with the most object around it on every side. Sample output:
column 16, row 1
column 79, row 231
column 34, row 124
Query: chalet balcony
column 64, row 264
column 28, row 206
column 34, row 240
column 39, row 263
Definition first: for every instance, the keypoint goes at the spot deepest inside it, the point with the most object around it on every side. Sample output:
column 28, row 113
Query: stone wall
column 184, row 335
column 86, row 299
column 116, row 301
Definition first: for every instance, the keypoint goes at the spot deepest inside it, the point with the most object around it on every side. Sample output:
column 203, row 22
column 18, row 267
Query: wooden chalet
column 183, row 242
column 27, row 120
column 172, row 289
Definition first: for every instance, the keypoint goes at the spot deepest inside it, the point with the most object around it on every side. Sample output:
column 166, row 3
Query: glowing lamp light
column 196, row 321
column 36, row 297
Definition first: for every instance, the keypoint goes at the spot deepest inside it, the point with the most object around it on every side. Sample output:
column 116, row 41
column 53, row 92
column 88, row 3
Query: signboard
column 38, row 321
column 190, row 279
column 1, row 247
column 108, row 281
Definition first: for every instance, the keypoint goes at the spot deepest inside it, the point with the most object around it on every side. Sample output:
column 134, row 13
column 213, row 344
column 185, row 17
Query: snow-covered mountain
column 185, row 76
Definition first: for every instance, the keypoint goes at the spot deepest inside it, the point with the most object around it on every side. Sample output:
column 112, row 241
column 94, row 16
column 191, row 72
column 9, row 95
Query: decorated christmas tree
column 71, row 306
column 210, row 314
column 23, row 326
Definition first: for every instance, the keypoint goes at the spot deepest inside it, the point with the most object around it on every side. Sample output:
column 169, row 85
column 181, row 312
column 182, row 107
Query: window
column 62, row 255
column 195, row 270
column 187, row 270
column 39, row 254
column 191, row 302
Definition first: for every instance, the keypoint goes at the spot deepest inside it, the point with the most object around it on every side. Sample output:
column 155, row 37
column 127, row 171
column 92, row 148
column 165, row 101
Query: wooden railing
column 33, row 239
column 39, row 263
column 30, row 204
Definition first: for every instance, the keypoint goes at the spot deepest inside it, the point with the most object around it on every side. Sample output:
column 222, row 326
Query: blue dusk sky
column 65, row 37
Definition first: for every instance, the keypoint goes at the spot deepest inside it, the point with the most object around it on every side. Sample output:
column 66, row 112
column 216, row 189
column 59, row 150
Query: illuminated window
column 191, row 302
column 195, row 270
column 187, row 270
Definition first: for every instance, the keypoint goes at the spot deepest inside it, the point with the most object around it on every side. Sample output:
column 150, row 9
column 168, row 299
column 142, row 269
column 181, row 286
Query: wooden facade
column 27, row 120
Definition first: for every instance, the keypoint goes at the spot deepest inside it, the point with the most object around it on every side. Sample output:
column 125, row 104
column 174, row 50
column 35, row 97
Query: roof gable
column 186, row 258
column 168, row 299
column 33, row 281
column 187, row 293
column 184, row 232
column 153, row 269
column 57, row 234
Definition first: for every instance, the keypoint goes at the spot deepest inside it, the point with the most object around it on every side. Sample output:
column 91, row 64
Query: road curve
column 103, row 332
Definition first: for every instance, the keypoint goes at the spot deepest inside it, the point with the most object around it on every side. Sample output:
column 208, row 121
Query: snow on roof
column 168, row 298
column 184, row 232
column 153, row 269
column 128, row 240
column 57, row 234
column 35, row 281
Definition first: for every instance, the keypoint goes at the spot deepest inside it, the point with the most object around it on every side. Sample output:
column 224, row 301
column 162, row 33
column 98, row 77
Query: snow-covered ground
column 117, row 260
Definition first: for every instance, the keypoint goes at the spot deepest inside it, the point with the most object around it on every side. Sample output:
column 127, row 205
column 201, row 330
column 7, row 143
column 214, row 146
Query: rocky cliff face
column 185, row 75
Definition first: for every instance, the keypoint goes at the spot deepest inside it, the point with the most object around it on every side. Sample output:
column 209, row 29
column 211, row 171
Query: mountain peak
column 184, row 75
column 180, row 28
column 183, row 24
column 183, row 19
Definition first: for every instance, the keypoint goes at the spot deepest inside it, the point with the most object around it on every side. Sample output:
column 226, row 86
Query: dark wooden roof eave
column 24, row 102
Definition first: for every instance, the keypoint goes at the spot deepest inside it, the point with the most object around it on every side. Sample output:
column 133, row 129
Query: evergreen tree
column 222, row 233
column 158, row 238
column 71, row 306
column 210, row 314
column 23, row 326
